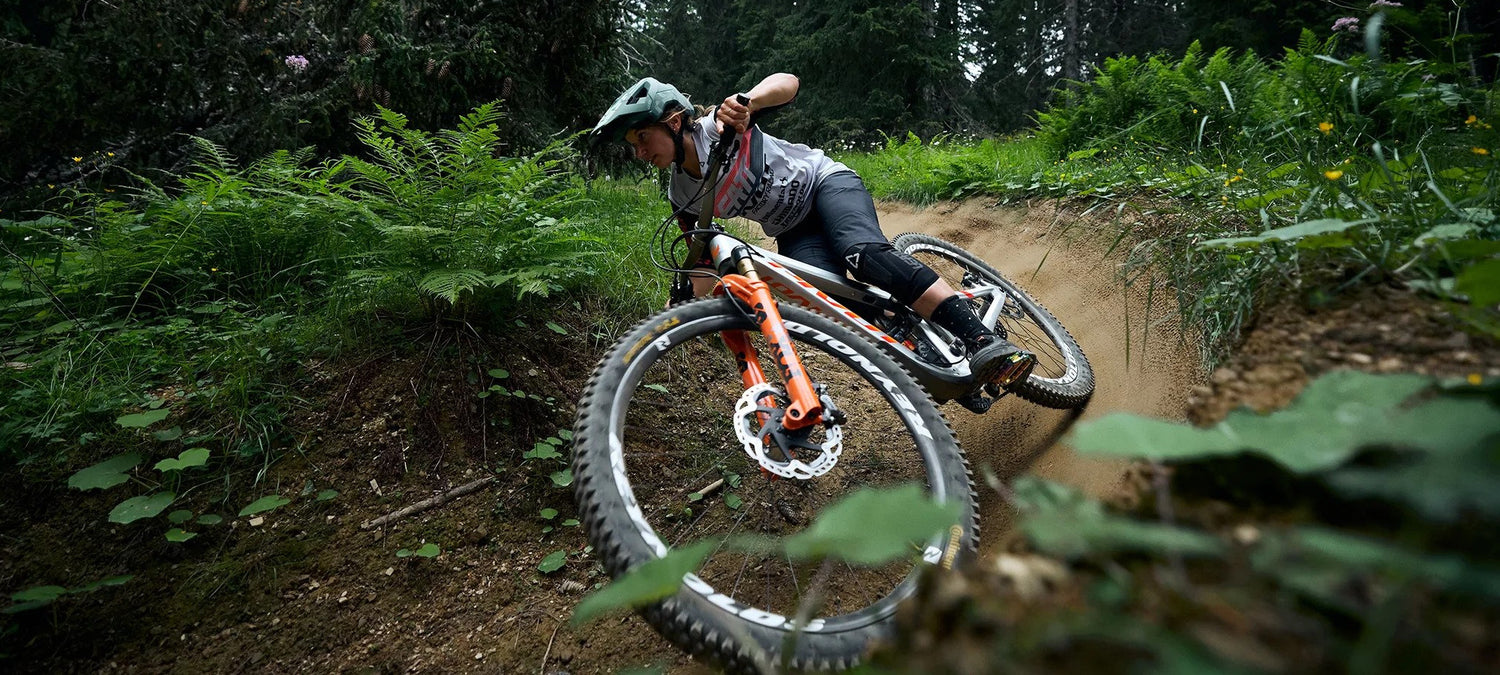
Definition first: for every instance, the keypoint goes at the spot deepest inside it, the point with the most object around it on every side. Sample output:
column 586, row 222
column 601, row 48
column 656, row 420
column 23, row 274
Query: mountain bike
column 750, row 411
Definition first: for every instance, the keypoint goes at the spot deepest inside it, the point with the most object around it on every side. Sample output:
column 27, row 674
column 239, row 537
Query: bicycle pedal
column 1017, row 367
column 975, row 402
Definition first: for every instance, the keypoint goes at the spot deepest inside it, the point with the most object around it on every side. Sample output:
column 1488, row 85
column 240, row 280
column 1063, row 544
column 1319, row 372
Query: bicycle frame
column 817, row 289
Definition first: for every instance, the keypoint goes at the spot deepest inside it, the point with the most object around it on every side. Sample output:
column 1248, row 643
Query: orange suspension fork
column 805, row 408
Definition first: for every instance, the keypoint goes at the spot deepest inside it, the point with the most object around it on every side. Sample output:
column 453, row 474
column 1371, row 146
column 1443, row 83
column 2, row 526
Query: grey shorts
column 843, row 216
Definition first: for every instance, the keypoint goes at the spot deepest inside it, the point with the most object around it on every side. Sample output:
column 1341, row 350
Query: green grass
column 207, row 297
column 1248, row 177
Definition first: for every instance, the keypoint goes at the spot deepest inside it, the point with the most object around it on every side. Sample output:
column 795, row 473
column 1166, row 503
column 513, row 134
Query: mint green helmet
column 643, row 103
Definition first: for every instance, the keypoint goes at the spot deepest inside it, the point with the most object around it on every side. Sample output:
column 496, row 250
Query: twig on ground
column 429, row 503
column 543, row 669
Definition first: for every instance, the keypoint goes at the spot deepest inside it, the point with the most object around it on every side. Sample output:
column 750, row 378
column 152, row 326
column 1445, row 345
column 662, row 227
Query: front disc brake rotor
column 788, row 443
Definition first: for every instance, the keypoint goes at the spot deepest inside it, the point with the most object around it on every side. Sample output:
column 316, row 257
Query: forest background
column 93, row 89
column 205, row 204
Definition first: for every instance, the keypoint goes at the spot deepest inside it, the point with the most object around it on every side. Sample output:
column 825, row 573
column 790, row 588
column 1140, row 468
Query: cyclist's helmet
column 644, row 103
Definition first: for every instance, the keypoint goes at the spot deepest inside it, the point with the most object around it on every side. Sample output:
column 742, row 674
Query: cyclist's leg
column 808, row 242
column 847, row 213
column 847, row 216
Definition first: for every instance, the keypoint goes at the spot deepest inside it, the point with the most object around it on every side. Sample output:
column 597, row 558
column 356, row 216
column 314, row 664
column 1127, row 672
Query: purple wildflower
column 1347, row 23
column 1384, row 3
column 296, row 62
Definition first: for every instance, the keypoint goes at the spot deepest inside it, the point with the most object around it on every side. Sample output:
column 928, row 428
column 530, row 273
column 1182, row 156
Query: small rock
column 1361, row 359
column 389, row 571
column 478, row 656
column 257, row 521
column 1030, row 575
column 1246, row 534
column 1389, row 364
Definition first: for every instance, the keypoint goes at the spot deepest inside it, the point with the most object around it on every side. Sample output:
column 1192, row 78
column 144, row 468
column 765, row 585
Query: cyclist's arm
column 771, row 93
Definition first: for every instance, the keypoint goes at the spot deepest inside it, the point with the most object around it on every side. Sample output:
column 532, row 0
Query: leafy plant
column 143, row 506
column 842, row 531
column 264, row 504
column 553, row 562
column 428, row 550
column 105, row 474
column 188, row 459
column 41, row 596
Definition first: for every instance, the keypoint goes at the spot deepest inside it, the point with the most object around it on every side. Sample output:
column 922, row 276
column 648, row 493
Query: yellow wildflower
column 78, row 159
column 1325, row 127
column 1475, row 379
column 1240, row 171
column 111, row 154
column 1479, row 151
column 1472, row 119
column 1333, row 175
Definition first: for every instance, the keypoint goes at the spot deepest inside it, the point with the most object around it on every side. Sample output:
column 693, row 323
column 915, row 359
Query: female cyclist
column 817, row 209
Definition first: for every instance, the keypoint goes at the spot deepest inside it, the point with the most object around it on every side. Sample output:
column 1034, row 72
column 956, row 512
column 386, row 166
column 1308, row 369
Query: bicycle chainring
column 753, row 435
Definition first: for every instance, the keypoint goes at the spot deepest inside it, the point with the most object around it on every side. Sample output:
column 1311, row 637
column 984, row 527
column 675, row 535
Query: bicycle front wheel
column 659, row 464
column 1063, row 377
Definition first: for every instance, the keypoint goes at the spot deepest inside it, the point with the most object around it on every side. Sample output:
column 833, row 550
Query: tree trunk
column 1070, row 40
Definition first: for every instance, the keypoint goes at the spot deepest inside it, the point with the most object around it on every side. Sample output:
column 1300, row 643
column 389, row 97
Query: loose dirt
column 305, row 589
column 1142, row 362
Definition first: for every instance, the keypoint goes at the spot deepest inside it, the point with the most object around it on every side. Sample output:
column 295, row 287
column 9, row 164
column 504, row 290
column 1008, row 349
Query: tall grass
column 206, row 293
column 1305, row 174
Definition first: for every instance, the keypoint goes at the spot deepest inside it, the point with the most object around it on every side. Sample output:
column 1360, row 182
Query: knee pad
column 897, row 273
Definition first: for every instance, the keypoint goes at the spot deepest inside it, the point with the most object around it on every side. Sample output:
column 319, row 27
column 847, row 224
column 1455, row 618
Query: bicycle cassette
column 755, row 423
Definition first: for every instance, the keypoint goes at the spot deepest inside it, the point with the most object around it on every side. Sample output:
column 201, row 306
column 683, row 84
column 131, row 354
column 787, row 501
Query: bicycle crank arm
column 805, row 408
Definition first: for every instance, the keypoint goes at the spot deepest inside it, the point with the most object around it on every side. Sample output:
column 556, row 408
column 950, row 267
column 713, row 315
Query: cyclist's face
column 653, row 144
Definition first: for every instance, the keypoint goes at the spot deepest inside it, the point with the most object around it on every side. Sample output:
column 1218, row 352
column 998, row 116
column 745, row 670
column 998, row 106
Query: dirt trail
column 1145, row 370
column 305, row 589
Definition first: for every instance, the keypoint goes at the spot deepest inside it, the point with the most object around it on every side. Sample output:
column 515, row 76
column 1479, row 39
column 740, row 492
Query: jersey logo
column 853, row 259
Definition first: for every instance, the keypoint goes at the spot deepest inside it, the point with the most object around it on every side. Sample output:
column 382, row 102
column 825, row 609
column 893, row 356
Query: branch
column 429, row 503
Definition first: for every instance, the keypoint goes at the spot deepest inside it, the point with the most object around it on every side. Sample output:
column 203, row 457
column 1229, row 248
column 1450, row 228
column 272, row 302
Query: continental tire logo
column 656, row 330
column 955, row 540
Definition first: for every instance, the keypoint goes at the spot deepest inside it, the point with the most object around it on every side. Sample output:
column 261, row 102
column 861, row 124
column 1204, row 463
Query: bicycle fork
column 805, row 408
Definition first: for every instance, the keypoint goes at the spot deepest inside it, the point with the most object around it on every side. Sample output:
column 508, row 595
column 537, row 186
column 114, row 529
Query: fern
column 450, row 284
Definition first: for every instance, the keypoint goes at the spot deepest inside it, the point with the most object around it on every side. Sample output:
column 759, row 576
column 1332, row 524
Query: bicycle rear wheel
column 1063, row 377
column 656, row 429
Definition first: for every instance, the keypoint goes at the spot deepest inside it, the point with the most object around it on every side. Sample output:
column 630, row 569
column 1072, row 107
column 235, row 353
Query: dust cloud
column 1142, row 362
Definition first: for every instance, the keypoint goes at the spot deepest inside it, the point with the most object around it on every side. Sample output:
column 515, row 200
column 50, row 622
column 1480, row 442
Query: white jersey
column 770, row 181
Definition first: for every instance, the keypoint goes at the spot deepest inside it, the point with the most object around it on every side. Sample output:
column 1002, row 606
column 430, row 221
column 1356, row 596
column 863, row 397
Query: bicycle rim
column 691, row 479
column 1022, row 327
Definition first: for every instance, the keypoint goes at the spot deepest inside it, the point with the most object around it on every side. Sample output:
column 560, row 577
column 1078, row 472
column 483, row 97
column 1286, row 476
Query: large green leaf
column 1335, row 416
column 871, row 527
column 1328, row 232
column 1061, row 521
column 1481, row 282
column 265, row 503
column 189, row 458
column 1440, row 484
column 1328, row 565
column 105, row 474
column 144, row 506
column 647, row 583
column 145, row 419
column 553, row 562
